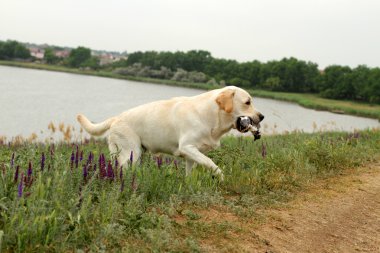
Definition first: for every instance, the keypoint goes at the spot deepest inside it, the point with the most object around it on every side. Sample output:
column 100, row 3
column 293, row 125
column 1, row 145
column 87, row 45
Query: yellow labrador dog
column 182, row 126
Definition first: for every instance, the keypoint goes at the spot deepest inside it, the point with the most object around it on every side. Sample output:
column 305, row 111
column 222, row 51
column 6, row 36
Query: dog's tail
column 95, row 129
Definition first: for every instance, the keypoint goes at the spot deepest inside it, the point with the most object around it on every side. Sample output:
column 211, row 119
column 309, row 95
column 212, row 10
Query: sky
column 327, row 32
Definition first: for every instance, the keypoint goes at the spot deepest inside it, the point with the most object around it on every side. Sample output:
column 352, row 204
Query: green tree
column 21, row 52
column 374, row 86
column 92, row 62
column 336, row 82
column 79, row 56
column 12, row 49
column 50, row 57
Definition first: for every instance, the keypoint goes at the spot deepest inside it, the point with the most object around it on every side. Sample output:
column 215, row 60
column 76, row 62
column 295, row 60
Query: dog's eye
column 248, row 102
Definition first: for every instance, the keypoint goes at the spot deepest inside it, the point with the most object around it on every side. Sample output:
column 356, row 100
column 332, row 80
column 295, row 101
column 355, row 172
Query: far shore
column 307, row 100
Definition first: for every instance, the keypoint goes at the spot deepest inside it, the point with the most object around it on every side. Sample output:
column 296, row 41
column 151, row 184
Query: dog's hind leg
column 189, row 166
column 125, row 145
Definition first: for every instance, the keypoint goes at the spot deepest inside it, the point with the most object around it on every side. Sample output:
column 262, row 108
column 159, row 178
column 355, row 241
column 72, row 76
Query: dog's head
column 236, row 102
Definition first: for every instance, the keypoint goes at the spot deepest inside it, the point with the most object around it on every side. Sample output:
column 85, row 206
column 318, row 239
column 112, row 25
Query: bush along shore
column 72, row 196
column 312, row 101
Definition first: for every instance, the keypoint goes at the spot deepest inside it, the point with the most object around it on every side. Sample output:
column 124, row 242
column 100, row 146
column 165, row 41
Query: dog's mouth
column 245, row 124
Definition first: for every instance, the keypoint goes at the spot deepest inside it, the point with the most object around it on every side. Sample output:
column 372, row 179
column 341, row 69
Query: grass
column 72, row 196
column 306, row 100
column 315, row 102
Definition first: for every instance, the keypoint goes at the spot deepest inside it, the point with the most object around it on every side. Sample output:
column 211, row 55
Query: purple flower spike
column 134, row 182
column 76, row 158
column 116, row 163
column 263, row 150
column 110, row 173
column 159, row 162
column 85, row 173
column 90, row 157
column 16, row 174
column 81, row 156
column 20, row 186
column 131, row 157
column 12, row 160
column 30, row 170
column 121, row 173
column 42, row 161
column 102, row 166
column 72, row 160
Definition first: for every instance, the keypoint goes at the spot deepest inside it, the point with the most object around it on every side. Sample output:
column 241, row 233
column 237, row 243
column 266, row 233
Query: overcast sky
column 345, row 32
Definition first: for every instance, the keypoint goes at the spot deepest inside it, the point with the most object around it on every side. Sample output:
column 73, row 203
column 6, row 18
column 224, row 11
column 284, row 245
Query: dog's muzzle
column 245, row 124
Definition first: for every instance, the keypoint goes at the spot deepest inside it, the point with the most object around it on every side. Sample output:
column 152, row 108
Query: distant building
column 36, row 52
column 106, row 57
column 62, row 53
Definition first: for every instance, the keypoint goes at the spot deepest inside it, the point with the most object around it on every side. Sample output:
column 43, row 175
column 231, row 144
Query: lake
column 31, row 99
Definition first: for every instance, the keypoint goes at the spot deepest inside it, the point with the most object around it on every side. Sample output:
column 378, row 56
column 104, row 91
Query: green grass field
column 71, row 196
column 306, row 100
column 315, row 102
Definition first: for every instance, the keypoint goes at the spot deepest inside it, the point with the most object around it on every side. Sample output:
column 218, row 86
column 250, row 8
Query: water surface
column 31, row 99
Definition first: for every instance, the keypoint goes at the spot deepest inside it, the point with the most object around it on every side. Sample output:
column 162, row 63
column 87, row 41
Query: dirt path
column 339, row 216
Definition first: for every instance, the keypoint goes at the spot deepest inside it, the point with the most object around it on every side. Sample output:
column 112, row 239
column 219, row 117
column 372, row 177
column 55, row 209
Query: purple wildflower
column 110, row 173
column 102, row 166
column 90, row 157
column 85, row 173
column 72, row 160
column 16, row 174
column 121, row 173
column 159, row 162
column 77, row 157
column 81, row 156
column 131, row 158
column 134, row 182
column 29, row 172
column 12, row 160
column 42, row 161
column 116, row 163
column 20, row 186
column 100, row 160
column 263, row 150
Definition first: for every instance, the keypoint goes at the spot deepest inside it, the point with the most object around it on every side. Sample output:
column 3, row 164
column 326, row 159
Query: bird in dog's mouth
column 245, row 124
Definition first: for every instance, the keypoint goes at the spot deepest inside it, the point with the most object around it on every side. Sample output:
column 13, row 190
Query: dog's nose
column 261, row 117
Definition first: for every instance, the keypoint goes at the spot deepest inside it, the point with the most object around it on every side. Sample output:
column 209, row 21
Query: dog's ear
column 225, row 100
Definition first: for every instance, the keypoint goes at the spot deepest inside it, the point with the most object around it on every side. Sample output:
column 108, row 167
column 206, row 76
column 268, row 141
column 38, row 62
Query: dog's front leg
column 190, row 152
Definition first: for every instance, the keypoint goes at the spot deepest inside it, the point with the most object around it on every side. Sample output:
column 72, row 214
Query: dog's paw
column 218, row 174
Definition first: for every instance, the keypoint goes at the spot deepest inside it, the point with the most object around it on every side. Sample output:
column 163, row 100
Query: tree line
column 79, row 57
column 288, row 74
column 13, row 50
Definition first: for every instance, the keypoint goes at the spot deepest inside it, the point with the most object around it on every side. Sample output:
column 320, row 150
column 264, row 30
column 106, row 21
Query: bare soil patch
column 341, row 214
